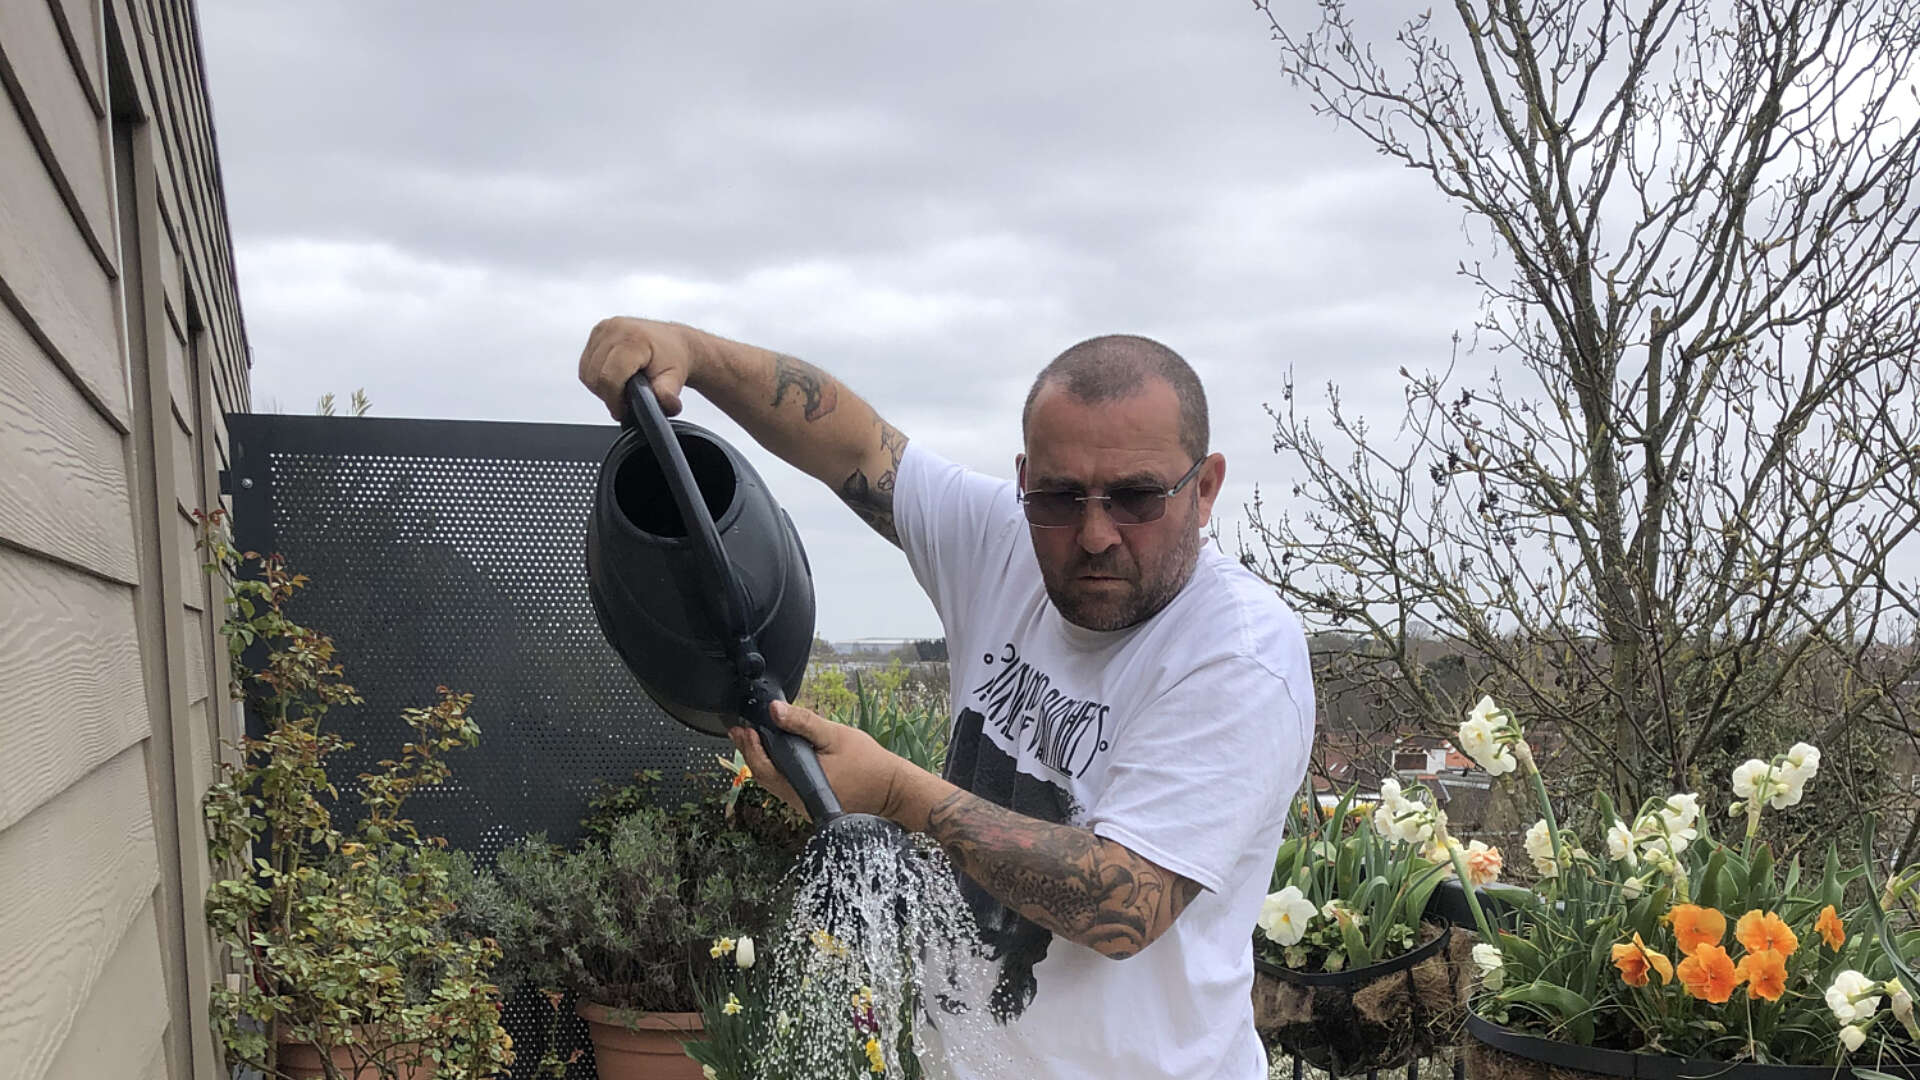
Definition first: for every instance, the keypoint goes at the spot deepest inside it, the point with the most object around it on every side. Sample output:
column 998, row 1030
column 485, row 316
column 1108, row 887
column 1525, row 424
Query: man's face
column 1102, row 575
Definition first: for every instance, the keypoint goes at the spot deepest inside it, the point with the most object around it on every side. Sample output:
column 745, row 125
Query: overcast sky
column 437, row 201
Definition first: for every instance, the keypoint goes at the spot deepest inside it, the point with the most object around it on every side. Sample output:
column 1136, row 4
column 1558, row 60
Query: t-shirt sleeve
column 952, row 523
column 1215, row 757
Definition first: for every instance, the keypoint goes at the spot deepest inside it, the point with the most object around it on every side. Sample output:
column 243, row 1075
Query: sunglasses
column 1125, row 505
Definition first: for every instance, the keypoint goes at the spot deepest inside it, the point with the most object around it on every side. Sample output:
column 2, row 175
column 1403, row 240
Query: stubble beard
column 1150, row 590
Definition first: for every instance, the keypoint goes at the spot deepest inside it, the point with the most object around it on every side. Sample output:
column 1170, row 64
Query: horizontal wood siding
column 59, row 111
column 70, row 690
column 50, row 274
column 120, row 1029
column 63, row 491
column 80, row 32
column 73, row 877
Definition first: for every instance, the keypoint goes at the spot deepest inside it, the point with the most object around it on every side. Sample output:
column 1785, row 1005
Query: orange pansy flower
column 1708, row 974
column 1765, row 973
column 1635, row 960
column 1694, row 926
column 1760, row 931
column 1830, row 928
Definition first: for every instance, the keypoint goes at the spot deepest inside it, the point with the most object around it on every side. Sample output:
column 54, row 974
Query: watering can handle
column 791, row 754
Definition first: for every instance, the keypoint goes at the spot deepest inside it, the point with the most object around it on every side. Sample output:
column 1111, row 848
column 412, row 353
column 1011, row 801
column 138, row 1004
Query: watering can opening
column 645, row 499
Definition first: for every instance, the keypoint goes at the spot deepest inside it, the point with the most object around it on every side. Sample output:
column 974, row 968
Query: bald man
column 1132, row 710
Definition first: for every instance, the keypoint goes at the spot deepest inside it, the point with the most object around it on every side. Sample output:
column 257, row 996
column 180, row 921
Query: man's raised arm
column 800, row 413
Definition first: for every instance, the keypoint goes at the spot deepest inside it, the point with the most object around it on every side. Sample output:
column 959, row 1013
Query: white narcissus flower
column 1284, row 916
column 1620, row 843
column 1493, row 966
column 1633, row 887
column 1852, row 997
column 1803, row 761
column 1400, row 818
column 1539, row 845
column 1479, row 740
column 743, row 952
column 1750, row 779
column 1853, row 1037
column 1679, row 815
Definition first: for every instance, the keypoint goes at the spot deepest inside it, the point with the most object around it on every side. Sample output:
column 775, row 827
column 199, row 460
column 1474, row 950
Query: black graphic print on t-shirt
column 1063, row 734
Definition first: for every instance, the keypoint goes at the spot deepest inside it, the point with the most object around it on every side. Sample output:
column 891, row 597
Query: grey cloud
column 436, row 201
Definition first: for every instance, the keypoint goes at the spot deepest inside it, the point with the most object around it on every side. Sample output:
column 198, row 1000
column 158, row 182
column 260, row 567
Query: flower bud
column 1853, row 1036
column 743, row 952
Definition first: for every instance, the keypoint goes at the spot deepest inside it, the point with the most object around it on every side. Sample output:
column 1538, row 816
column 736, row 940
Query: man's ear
column 1207, row 485
column 1020, row 472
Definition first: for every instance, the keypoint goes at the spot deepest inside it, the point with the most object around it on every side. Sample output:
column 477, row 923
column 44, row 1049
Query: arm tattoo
column 873, row 499
column 818, row 390
column 1083, row 887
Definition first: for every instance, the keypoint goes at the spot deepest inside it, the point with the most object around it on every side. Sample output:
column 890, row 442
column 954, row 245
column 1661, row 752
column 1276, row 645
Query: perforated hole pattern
column 449, row 553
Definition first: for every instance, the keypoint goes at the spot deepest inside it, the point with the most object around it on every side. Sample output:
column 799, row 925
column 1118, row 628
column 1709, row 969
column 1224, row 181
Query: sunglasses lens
column 1052, row 508
column 1136, row 506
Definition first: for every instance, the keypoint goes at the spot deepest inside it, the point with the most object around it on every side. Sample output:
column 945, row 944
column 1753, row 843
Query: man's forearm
column 1088, row 889
column 808, row 418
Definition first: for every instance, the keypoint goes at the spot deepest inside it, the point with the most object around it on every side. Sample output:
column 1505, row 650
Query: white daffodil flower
column 1284, row 916
column 1853, row 1037
column 1852, row 997
column 1479, row 740
column 1620, row 843
column 1539, row 844
column 1492, row 965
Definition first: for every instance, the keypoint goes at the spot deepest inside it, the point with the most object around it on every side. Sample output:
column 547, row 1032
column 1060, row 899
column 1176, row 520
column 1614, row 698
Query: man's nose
column 1097, row 530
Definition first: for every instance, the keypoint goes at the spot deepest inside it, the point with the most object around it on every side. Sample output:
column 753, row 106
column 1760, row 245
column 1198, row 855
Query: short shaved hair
column 1116, row 366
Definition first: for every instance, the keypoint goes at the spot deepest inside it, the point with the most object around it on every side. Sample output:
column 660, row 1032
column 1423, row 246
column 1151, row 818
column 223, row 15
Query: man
column 1133, row 709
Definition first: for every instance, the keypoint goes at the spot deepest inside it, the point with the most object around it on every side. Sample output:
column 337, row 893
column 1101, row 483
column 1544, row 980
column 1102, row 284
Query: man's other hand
column 620, row 348
column 865, row 776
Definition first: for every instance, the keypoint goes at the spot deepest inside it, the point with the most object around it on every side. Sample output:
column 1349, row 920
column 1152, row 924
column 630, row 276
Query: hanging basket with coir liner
column 1376, row 1017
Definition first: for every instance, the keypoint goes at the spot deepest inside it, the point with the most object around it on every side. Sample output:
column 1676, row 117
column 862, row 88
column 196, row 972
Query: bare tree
column 1673, row 534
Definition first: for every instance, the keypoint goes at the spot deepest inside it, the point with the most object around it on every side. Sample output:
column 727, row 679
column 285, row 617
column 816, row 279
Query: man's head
column 1117, row 415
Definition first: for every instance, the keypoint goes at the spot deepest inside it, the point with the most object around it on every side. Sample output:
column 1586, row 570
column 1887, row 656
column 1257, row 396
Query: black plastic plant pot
column 1365, row 1019
column 1500, row 1053
column 1449, row 904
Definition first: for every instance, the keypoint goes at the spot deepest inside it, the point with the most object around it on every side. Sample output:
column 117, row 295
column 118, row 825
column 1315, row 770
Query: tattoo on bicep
column 819, row 393
column 1086, row 888
column 872, row 499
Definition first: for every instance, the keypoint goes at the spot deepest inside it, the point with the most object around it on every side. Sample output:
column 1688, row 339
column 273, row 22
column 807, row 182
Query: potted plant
column 630, row 920
column 352, row 967
column 1350, row 972
column 1666, row 951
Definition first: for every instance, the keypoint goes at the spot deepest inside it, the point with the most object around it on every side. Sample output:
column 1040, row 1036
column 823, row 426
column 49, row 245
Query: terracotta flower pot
column 629, row 1044
column 302, row 1061
column 1371, row 1018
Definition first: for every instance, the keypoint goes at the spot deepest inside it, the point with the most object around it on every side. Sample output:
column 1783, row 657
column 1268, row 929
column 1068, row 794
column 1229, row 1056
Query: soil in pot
column 633, row 1045
column 1377, row 1017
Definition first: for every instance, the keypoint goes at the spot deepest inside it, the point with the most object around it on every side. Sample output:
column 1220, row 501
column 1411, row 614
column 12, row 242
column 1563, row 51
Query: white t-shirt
column 1182, row 738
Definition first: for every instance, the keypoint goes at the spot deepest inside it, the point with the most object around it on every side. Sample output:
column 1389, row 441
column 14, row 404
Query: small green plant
column 345, row 934
column 1351, row 883
column 907, row 717
column 625, row 917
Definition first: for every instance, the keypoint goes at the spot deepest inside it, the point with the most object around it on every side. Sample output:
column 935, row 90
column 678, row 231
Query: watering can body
column 658, row 601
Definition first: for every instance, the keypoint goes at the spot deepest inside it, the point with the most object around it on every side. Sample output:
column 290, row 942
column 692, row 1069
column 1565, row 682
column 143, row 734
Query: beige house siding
column 121, row 347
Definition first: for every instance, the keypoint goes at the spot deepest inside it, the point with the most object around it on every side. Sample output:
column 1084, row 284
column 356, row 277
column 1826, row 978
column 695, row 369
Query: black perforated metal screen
column 453, row 553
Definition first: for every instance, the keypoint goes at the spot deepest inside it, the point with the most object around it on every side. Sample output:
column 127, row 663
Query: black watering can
column 700, row 584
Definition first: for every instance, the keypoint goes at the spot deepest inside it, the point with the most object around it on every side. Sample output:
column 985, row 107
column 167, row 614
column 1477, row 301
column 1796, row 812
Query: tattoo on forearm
column 819, row 393
column 1083, row 887
column 872, row 499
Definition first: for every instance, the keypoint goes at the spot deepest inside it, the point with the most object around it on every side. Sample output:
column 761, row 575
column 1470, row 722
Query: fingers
column 620, row 348
column 803, row 722
column 748, row 742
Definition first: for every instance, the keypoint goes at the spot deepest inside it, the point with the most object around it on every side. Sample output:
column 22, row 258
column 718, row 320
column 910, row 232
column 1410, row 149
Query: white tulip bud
column 743, row 952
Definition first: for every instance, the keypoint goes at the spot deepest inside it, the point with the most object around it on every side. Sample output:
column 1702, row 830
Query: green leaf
column 1571, row 1010
column 1710, row 879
